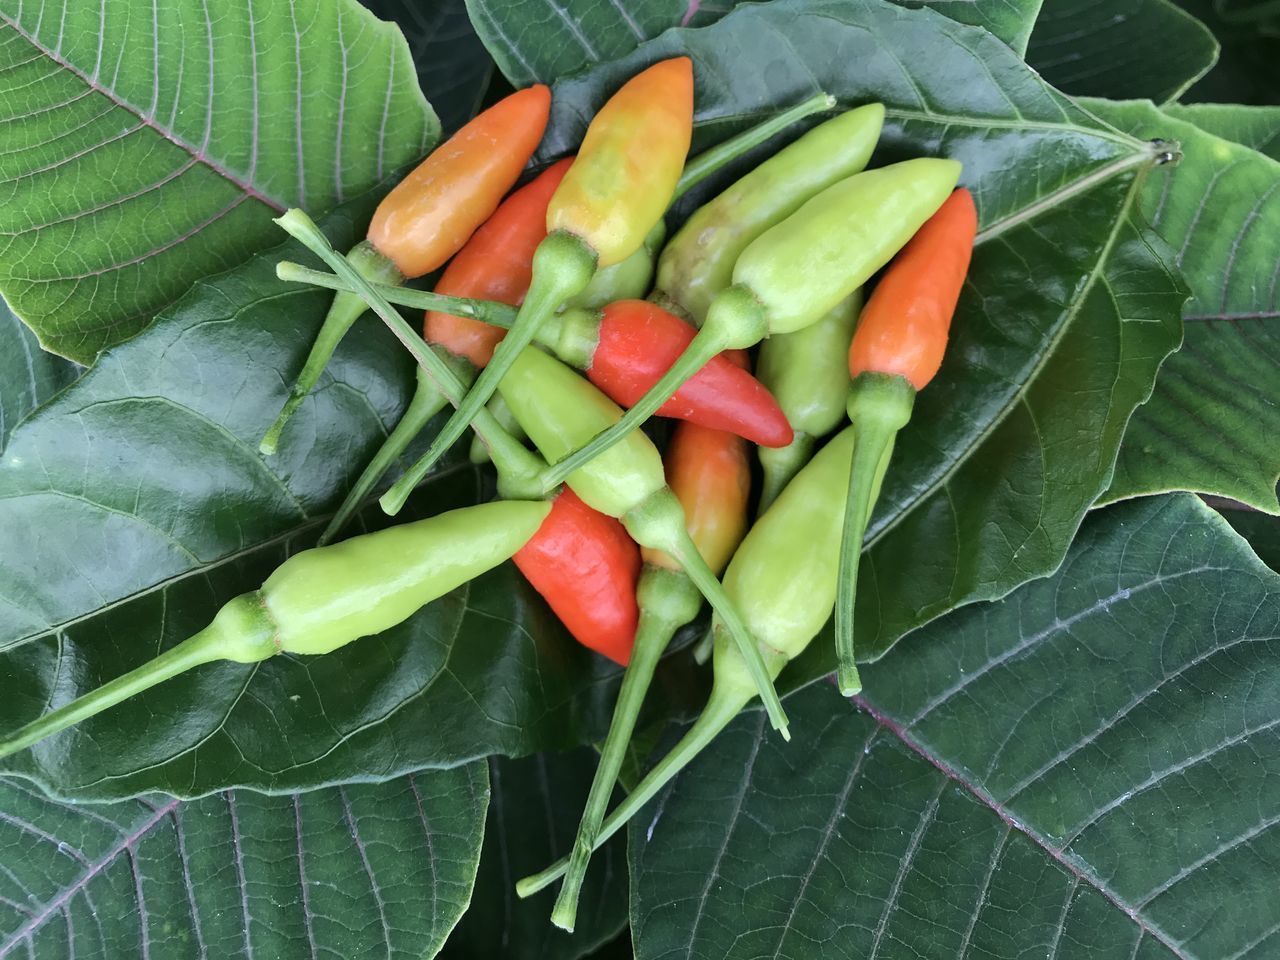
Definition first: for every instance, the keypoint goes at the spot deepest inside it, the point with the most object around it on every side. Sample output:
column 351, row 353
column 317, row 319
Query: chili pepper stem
column 658, row 624
column 737, row 323
column 709, row 161
column 780, row 464
column 719, row 712
column 487, row 311
column 523, row 470
column 426, row 403
column 659, row 523
column 225, row 638
column 879, row 406
column 345, row 310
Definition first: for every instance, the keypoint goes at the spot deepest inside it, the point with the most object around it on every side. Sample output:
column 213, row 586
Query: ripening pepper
column 797, row 271
column 324, row 598
column 783, row 577
column 428, row 217
column 709, row 474
column 896, row 350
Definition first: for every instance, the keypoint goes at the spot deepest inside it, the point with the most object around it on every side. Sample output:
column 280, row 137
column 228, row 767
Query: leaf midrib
column 196, row 153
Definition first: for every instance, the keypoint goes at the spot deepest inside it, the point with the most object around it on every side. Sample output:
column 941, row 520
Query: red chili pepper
column 585, row 565
column 896, row 350
column 636, row 344
column 496, row 264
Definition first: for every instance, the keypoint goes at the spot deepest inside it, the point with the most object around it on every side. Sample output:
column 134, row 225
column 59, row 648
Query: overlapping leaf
column 1129, row 49
column 356, row 871
column 1089, row 768
column 1212, row 423
column 148, row 145
column 28, row 375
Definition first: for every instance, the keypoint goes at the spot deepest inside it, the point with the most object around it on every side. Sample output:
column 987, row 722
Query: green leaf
column 1245, row 73
column 1010, row 20
column 140, row 503
column 1069, row 310
column 1260, row 529
column 149, row 145
column 1087, row 769
column 356, row 871
column 533, row 816
column 1255, row 127
column 1139, row 49
column 453, row 67
column 1212, row 423
column 28, row 375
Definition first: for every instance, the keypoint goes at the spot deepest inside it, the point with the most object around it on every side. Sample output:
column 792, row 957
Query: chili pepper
column 628, row 280
column 618, row 187
column 783, row 576
column 896, row 350
column 698, row 262
column 807, row 372
column 324, row 598
column 557, row 409
column 502, row 414
column 709, row 474
column 428, row 217
column 798, row 270
column 585, row 565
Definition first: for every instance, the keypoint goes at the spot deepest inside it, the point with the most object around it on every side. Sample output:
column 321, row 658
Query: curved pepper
column 808, row 374
column 783, row 576
column 709, row 474
column 585, row 566
column 428, row 217
column 698, row 262
column 617, row 189
column 798, row 270
column 326, row 597
column 557, row 409
column 896, row 350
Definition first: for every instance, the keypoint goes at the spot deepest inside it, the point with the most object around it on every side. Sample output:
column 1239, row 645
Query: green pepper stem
column 879, row 406
column 486, row 311
column 345, row 310
column 709, row 161
column 426, row 403
column 737, row 321
column 718, row 714
column 523, row 470
column 658, row 624
column 780, row 465
column 239, row 632
column 703, row 648
column 562, row 266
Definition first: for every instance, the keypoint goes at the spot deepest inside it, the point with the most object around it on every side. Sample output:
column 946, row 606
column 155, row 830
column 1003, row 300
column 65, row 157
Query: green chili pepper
column 505, row 419
column 559, row 410
column 808, row 374
column 628, row 280
column 783, row 576
column 698, row 262
column 797, row 271
column 326, row 597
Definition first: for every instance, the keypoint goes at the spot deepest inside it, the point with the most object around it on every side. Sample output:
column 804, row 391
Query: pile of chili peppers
column 562, row 321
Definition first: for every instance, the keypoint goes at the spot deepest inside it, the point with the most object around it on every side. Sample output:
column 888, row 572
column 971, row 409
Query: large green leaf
column 1246, row 71
column 28, row 375
column 1088, row 769
column 533, row 816
column 542, row 40
column 1213, row 421
column 149, row 144
column 1255, row 127
column 1139, row 49
column 356, row 871
column 453, row 67
column 1070, row 307
column 140, row 504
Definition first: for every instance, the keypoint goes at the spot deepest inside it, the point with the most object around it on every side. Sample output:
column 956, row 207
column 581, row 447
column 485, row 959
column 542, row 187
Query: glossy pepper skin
column 784, row 576
column 709, row 473
column 698, row 262
column 798, row 270
column 326, row 597
column 585, row 565
column 428, row 217
column 557, row 409
column 617, row 189
column 807, row 373
column 896, row 350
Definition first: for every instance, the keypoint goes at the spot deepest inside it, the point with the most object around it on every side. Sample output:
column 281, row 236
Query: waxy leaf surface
column 28, row 375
